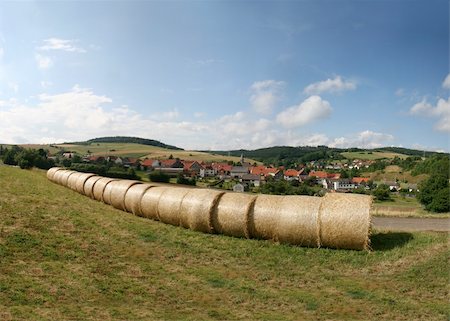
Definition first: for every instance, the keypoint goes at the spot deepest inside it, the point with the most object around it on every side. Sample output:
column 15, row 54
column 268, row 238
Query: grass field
column 372, row 155
column 138, row 150
column 66, row 257
column 393, row 173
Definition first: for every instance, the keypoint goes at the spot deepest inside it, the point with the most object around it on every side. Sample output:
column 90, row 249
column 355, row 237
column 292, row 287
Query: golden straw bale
column 57, row 176
column 288, row 219
column 169, row 205
column 99, row 187
column 63, row 179
column 89, row 186
column 134, row 196
column 345, row 221
column 149, row 201
column 72, row 181
column 197, row 207
column 118, row 191
column 231, row 215
column 81, row 180
column 52, row 172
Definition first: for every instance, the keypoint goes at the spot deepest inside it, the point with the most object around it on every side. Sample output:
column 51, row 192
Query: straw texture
column 345, row 221
column 287, row 219
column 81, row 180
column 133, row 198
column 149, row 202
column 197, row 208
column 72, row 181
column 52, row 171
column 63, row 179
column 57, row 176
column 231, row 215
column 89, row 185
column 100, row 186
column 169, row 205
column 118, row 190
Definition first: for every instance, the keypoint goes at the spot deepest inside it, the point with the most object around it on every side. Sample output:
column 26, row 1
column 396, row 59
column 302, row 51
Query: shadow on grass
column 390, row 240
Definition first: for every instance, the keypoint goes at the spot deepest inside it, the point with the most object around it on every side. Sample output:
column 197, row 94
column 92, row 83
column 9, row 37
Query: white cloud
column 335, row 85
column 14, row 86
column 199, row 115
column 440, row 111
column 311, row 109
column 61, row 44
column 364, row 139
column 446, row 83
column 2, row 52
column 265, row 94
column 43, row 62
column 46, row 84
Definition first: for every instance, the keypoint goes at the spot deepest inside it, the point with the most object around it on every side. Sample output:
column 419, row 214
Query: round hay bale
column 52, row 172
column 81, row 180
column 63, row 179
column 118, row 191
column 99, row 187
column 72, row 181
column 57, row 176
column 345, row 221
column 169, row 205
column 89, row 185
column 197, row 207
column 149, row 201
column 287, row 219
column 133, row 198
column 231, row 215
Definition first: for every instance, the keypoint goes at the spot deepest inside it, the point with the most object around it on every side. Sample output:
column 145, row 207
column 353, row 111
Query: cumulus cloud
column 61, row 44
column 335, row 85
column 265, row 95
column 446, row 83
column 311, row 109
column 364, row 139
column 43, row 62
column 440, row 111
column 2, row 52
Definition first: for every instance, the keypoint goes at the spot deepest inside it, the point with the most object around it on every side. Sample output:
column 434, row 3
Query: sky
column 220, row 75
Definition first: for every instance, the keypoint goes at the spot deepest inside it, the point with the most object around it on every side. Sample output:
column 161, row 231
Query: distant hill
column 285, row 155
column 126, row 139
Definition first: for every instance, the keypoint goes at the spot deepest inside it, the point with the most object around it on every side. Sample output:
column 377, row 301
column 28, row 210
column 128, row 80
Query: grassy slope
column 138, row 150
column 374, row 155
column 64, row 256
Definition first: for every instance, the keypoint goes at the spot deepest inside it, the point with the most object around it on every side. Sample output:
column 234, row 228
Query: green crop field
column 372, row 155
column 141, row 151
column 66, row 257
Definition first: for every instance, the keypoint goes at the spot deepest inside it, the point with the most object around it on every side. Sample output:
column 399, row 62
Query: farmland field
column 141, row 151
column 372, row 155
column 66, row 257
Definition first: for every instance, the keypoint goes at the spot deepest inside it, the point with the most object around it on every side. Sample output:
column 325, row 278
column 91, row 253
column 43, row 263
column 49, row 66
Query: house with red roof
column 292, row 174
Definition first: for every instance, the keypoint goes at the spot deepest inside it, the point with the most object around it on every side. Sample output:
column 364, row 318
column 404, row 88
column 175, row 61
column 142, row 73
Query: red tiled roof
column 292, row 173
column 147, row 162
column 319, row 174
column 359, row 180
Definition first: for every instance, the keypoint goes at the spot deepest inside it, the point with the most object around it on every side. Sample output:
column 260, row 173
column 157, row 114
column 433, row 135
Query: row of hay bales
column 335, row 220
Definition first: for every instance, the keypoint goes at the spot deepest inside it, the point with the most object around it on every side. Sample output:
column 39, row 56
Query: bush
column 159, row 177
column 185, row 181
column 382, row 192
column 434, row 193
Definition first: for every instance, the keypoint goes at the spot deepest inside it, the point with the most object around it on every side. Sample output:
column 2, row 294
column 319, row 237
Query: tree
column 382, row 192
column 158, row 176
column 185, row 181
column 434, row 193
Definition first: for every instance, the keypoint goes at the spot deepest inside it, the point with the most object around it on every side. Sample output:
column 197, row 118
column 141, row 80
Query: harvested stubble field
column 64, row 256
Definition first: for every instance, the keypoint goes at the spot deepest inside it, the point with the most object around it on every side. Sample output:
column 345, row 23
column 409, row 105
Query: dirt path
column 411, row 224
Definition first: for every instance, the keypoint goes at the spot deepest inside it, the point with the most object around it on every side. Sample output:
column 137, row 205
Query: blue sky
column 227, row 74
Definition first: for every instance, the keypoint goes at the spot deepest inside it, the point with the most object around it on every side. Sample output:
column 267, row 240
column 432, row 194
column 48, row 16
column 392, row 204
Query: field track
column 411, row 224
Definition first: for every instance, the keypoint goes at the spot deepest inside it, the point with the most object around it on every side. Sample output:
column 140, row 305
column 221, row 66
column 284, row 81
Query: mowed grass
column 66, row 257
column 372, row 155
column 142, row 151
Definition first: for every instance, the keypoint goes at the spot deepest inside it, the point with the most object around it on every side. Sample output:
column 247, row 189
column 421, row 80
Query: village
column 245, row 176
